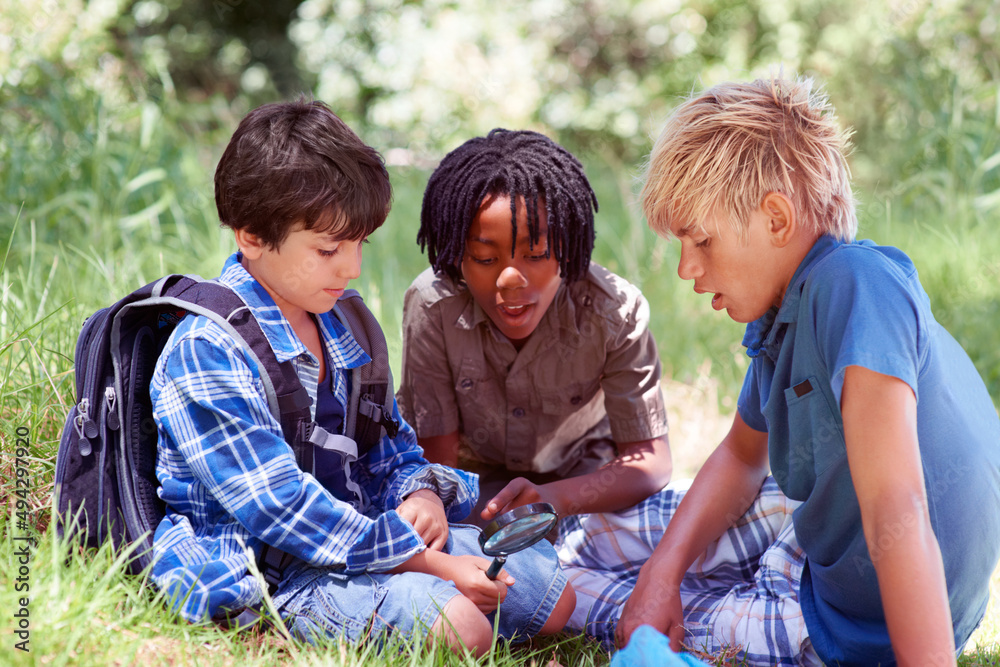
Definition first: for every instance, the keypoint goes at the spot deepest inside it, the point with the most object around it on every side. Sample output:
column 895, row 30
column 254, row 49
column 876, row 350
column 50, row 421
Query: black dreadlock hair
column 516, row 164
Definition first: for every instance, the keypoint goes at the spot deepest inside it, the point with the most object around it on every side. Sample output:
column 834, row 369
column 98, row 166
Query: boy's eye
column 323, row 252
column 703, row 243
column 538, row 257
column 485, row 261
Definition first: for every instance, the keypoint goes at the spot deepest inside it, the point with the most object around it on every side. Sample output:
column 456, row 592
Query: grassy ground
column 82, row 609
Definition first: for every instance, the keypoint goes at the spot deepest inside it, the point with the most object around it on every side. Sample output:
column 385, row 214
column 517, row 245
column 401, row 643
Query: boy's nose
column 687, row 268
column 352, row 267
column 511, row 278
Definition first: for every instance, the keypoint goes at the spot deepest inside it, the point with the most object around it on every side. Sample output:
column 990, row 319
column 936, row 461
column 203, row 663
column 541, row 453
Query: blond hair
column 723, row 150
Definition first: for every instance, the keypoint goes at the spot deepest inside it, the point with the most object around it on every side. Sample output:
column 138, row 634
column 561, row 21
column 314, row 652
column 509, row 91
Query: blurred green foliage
column 417, row 78
column 115, row 113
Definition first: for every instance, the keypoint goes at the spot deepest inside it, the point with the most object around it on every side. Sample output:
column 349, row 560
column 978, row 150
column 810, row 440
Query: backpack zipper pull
column 85, row 426
column 112, row 419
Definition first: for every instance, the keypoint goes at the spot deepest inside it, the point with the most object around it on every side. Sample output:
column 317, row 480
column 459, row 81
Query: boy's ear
column 782, row 221
column 249, row 244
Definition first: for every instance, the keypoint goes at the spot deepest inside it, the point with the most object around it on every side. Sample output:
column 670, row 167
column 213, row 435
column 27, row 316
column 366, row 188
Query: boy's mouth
column 513, row 311
column 515, row 315
column 717, row 301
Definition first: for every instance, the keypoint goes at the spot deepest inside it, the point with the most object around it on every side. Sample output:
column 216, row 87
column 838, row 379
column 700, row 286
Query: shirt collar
column 342, row 349
column 762, row 335
column 472, row 315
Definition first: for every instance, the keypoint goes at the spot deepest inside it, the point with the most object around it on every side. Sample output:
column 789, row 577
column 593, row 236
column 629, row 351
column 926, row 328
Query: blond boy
column 871, row 419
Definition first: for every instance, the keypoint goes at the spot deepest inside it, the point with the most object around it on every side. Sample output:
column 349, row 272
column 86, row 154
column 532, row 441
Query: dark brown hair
column 297, row 162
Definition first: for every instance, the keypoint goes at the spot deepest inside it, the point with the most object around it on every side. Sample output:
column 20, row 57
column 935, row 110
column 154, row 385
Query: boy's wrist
column 665, row 569
column 558, row 495
column 428, row 561
column 424, row 492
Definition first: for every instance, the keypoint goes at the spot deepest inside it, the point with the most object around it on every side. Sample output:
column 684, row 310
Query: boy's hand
column 655, row 603
column 425, row 512
column 469, row 575
column 519, row 491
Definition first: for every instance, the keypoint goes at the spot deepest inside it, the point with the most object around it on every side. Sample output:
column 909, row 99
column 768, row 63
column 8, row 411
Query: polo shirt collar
column 762, row 335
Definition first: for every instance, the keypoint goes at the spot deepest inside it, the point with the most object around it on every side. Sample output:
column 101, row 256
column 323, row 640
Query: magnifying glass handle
column 495, row 567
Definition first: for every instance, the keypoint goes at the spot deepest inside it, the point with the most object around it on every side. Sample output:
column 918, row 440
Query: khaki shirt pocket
column 569, row 398
column 482, row 408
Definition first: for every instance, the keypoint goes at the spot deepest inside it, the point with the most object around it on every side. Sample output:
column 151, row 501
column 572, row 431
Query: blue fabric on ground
column 649, row 648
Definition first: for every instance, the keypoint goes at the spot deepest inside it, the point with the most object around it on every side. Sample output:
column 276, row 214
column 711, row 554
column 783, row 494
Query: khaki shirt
column 590, row 370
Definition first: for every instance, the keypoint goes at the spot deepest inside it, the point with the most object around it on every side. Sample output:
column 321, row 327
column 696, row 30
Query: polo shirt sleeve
column 631, row 377
column 865, row 305
column 748, row 405
column 209, row 404
column 426, row 395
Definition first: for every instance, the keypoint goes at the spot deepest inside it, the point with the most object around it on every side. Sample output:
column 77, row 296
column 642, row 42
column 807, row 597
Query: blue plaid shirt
column 229, row 479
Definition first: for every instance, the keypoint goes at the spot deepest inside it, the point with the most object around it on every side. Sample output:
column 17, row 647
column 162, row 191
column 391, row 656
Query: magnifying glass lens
column 515, row 530
column 521, row 533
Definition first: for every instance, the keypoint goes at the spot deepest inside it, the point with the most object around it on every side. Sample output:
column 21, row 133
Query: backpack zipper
column 112, row 419
column 85, row 426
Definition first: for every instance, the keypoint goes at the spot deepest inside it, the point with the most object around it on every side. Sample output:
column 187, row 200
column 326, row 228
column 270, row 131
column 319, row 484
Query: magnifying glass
column 515, row 530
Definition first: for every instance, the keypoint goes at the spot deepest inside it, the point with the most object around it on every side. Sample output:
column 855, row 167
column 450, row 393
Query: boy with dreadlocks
column 523, row 360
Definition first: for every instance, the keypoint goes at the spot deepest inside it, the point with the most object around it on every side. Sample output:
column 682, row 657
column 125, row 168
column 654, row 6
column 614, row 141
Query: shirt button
column 517, row 461
column 576, row 400
column 467, row 383
column 587, row 301
column 518, row 412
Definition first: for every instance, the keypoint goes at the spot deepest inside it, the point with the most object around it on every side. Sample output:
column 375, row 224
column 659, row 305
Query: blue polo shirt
column 860, row 304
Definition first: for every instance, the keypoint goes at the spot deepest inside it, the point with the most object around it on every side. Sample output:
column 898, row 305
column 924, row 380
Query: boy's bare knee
column 561, row 612
column 462, row 626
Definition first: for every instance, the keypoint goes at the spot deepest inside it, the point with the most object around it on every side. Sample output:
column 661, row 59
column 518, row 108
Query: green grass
column 86, row 610
column 124, row 197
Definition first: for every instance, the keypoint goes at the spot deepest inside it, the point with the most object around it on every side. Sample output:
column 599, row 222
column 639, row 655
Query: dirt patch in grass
column 697, row 424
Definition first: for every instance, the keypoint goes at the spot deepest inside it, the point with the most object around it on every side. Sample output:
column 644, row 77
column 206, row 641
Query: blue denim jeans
column 322, row 602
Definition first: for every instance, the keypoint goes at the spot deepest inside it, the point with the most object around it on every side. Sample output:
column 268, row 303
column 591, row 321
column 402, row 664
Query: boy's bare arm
column 880, row 428
column 441, row 449
column 642, row 469
column 722, row 491
column 468, row 573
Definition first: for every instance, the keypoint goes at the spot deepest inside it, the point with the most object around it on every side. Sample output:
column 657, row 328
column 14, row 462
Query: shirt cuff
column 389, row 542
column 457, row 489
column 654, row 425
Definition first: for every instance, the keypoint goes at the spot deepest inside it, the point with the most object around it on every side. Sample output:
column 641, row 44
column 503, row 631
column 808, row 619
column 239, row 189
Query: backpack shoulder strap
column 369, row 408
column 287, row 398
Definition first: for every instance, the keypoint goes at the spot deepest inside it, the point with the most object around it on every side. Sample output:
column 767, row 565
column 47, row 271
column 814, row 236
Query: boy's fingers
column 501, row 590
column 494, row 506
column 437, row 544
column 676, row 638
column 507, row 496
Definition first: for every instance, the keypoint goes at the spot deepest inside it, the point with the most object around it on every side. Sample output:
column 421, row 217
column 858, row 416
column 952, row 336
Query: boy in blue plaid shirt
column 371, row 545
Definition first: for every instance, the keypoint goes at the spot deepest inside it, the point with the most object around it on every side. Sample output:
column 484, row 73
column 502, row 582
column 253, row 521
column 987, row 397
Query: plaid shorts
column 743, row 591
